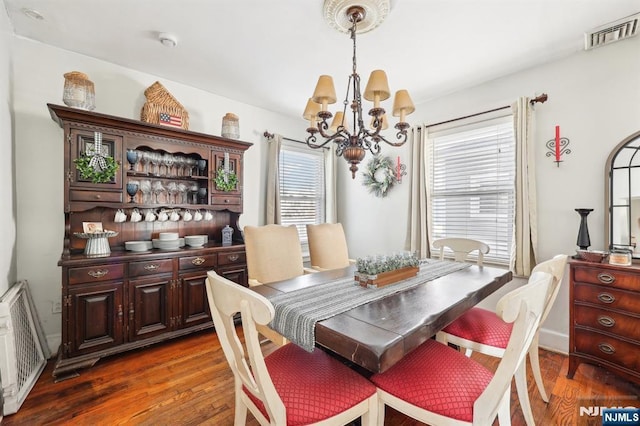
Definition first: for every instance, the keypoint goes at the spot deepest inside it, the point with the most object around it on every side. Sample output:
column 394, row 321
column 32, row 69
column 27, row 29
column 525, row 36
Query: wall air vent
column 611, row 32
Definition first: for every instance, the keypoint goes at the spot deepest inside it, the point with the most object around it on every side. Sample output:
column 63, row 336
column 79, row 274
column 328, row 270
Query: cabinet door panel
column 83, row 141
column 195, row 307
column 237, row 274
column 96, row 312
column 149, row 308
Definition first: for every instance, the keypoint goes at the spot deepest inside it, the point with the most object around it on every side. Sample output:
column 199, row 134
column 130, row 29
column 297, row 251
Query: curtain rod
column 541, row 99
column 268, row 135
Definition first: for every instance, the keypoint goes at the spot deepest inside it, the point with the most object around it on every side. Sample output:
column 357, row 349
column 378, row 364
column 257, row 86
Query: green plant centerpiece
column 96, row 171
column 376, row 271
column 226, row 181
column 379, row 175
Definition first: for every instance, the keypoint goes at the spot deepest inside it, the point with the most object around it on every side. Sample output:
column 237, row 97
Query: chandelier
column 352, row 144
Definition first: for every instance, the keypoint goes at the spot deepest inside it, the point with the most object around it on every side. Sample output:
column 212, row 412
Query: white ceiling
column 270, row 53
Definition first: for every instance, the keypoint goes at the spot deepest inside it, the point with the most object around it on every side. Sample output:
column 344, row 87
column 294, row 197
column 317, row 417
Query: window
column 302, row 188
column 472, row 184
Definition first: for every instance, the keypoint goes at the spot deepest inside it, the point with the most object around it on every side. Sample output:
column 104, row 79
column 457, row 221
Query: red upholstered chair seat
column 313, row 386
column 482, row 326
column 436, row 378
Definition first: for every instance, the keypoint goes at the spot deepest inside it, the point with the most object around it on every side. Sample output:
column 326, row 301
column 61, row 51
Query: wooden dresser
column 605, row 318
column 128, row 300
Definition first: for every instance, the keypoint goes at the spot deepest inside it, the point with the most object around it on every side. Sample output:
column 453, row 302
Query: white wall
column 38, row 80
column 7, row 188
column 595, row 98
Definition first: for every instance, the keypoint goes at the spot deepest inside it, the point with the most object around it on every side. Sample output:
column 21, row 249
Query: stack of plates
column 138, row 245
column 195, row 240
column 168, row 241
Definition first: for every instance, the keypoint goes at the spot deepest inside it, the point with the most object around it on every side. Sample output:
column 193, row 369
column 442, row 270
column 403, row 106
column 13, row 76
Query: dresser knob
column 198, row 261
column 606, row 278
column 98, row 273
column 606, row 298
column 98, row 197
column 606, row 321
column 151, row 267
column 233, row 257
column 606, row 348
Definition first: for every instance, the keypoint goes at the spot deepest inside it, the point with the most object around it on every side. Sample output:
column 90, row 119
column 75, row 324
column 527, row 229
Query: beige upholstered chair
column 439, row 385
column 291, row 385
column 461, row 248
column 273, row 254
column 483, row 331
column 327, row 246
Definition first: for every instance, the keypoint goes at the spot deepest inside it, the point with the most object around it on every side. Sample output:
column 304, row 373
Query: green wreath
column 96, row 174
column 226, row 181
column 383, row 167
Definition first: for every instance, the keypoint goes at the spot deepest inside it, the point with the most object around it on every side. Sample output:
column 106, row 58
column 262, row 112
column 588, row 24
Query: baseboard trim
column 53, row 341
column 554, row 341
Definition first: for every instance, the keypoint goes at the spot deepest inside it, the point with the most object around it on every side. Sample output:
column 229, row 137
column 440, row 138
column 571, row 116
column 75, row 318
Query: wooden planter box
column 386, row 278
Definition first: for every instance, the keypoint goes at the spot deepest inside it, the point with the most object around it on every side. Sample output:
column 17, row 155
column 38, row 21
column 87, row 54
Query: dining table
column 377, row 334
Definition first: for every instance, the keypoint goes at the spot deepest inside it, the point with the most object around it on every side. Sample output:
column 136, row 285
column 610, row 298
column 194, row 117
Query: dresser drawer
column 97, row 273
column 608, row 321
column 95, row 196
column 229, row 200
column 231, row 258
column 198, row 262
column 607, row 277
column 607, row 348
column 150, row 267
column 608, row 298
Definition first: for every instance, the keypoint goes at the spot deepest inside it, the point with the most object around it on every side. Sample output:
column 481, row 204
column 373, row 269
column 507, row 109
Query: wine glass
column 132, row 158
column 132, row 189
column 168, row 160
column 191, row 164
column 182, row 190
column 145, row 160
column 145, row 188
column 172, row 190
column 155, row 160
column 180, row 163
column 202, row 194
column 194, row 191
column 157, row 189
column 202, row 165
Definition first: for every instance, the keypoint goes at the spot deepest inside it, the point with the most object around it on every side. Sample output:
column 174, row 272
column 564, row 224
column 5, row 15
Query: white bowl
column 166, row 244
column 194, row 240
column 168, row 236
column 138, row 245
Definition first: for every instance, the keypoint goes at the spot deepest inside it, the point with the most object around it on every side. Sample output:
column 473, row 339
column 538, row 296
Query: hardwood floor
column 188, row 382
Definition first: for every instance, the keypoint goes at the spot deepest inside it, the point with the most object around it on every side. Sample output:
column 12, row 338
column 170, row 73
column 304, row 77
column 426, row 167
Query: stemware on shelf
column 179, row 164
column 182, row 190
column 202, row 194
column 191, row 163
column 145, row 160
column 202, row 165
column 194, row 192
column 132, row 158
column 145, row 188
column 172, row 190
column 168, row 160
column 132, row 189
column 157, row 189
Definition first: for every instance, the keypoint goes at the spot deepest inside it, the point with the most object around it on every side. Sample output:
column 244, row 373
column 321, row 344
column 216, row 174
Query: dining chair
column 328, row 246
column 289, row 386
column 436, row 384
column 273, row 254
column 461, row 248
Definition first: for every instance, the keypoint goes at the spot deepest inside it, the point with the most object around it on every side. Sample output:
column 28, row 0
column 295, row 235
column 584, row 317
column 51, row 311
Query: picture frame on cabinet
column 92, row 227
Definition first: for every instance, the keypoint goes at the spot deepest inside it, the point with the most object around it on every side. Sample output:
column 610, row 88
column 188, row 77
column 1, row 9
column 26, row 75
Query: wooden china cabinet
column 131, row 299
column 605, row 318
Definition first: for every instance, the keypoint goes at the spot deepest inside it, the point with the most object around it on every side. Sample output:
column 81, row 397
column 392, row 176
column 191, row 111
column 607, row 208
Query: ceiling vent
column 611, row 32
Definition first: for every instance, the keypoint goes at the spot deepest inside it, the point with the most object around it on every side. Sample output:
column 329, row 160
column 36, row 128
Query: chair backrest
column 461, row 248
column 273, row 253
column 522, row 306
column 556, row 267
column 327, row 246
column 227, row 298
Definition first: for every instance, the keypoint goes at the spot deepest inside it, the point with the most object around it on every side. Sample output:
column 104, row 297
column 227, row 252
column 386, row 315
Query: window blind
column 302, row 192
column 472, row 185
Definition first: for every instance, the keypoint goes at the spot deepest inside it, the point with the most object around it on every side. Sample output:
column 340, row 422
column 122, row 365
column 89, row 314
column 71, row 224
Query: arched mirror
column 622, row 196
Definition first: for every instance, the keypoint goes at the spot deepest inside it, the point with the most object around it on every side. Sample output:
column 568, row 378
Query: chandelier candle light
column 352, row 145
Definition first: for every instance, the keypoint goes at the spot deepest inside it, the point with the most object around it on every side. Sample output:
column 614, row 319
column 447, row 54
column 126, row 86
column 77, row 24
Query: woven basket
column 159, row 100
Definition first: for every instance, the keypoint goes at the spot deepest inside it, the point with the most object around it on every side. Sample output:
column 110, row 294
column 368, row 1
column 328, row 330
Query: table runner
column 297, row 312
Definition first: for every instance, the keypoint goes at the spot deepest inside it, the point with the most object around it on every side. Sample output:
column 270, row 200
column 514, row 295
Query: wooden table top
column 378, row 334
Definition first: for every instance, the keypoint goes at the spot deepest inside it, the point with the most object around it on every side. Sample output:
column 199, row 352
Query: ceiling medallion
column 375, row 12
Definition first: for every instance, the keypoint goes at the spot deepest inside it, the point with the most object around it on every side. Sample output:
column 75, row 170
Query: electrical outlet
column 56, row 307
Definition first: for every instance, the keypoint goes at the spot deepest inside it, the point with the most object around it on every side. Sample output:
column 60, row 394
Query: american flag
column 170, row 120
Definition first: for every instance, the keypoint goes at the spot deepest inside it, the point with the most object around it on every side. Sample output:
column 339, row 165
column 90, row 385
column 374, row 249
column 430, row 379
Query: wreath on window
column 102, row 172
column 379, row 175
column 226, row 181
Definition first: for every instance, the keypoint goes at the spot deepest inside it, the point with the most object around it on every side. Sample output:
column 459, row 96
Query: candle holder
column 583, row 233
column 557, row 148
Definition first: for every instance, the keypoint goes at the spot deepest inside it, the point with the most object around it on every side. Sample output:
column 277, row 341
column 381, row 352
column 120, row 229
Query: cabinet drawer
column 95, row 196
column 229, row 200
column 97, row 273
column 608, row 298
column 608, row 321
column 606, row 348
column 198, row 262
column 150, row 267
column 607, row 277
column 231, row 258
